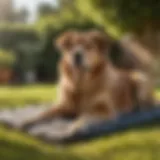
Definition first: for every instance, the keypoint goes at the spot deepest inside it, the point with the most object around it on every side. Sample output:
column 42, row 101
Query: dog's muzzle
column 78, row 59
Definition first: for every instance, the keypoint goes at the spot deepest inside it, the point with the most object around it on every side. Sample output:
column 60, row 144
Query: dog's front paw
column 73, row 129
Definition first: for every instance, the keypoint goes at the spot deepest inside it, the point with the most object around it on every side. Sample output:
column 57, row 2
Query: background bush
column 7, row 58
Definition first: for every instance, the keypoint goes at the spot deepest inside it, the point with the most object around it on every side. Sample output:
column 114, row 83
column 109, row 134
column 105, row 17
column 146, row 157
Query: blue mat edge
column 106, row 128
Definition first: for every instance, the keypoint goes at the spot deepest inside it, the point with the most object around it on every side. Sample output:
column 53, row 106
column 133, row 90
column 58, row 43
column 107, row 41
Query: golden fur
column 96, row 89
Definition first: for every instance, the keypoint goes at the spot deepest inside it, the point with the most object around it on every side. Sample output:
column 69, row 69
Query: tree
column 127, row 14
column 140, row 17
column 45, row 9
column 24, row 14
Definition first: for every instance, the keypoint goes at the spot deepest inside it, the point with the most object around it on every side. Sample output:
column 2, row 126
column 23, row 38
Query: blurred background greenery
column 32, row 43
column 27, row 51
column 28, row 68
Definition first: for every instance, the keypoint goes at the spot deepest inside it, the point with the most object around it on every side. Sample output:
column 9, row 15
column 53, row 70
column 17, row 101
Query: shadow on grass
column 139, row 144
column 133, row 152
column 16, row 151
column 151, row 151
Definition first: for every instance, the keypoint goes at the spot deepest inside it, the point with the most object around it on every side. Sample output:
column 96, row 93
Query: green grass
column 135, row 144
column 22, row 95
column 140, row 144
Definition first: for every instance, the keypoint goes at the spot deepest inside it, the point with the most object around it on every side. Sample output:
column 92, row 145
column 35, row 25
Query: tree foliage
column 128, row 15
column 45, row 9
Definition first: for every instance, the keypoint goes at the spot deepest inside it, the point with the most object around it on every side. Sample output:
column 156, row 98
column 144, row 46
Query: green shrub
column 7, row 58
column 12, row 35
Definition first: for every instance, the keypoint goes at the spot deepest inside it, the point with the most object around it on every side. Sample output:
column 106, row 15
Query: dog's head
column 84, row 50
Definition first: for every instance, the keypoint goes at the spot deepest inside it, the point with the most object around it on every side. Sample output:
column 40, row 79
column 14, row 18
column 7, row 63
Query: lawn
column 30, row 94
column 135, row 144
column 140, row 144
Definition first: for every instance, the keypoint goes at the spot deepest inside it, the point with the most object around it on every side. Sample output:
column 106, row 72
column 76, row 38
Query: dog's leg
column 98, row 114
column 82, row 122
column 64, row 107
column 56, row 111
column 77, row 125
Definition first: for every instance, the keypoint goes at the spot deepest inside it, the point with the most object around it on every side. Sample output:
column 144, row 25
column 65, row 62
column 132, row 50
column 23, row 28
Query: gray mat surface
column 47, row 130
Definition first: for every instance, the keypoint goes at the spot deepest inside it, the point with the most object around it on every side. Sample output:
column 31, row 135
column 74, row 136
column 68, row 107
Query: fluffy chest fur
column 103, row 86
column 82, row 88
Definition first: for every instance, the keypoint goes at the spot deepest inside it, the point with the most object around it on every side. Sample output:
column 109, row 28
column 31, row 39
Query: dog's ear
column 121, row 57
column 100, row 39
column 64, row 42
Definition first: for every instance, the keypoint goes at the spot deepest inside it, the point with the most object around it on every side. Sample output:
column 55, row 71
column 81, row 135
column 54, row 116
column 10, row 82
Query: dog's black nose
column 78, row 59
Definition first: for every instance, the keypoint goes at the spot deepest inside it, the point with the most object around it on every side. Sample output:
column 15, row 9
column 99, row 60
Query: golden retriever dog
column 90, row 86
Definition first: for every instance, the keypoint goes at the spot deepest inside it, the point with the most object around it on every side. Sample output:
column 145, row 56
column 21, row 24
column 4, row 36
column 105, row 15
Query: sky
column 31, row 5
